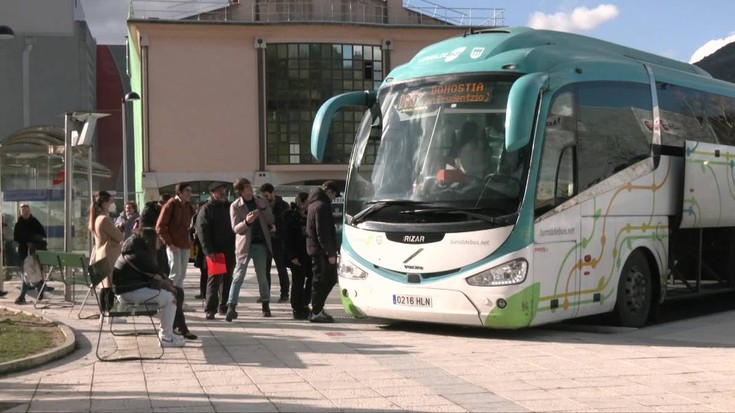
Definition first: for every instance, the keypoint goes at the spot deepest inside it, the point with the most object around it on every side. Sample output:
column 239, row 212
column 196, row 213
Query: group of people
column 262, row 230
column 144, row 256
column 258, row 229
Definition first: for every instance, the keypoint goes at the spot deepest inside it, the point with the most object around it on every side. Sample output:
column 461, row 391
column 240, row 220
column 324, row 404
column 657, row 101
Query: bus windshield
column 436, row 149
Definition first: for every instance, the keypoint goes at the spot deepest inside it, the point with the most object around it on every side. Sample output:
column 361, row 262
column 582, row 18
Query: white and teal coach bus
column 514, row 177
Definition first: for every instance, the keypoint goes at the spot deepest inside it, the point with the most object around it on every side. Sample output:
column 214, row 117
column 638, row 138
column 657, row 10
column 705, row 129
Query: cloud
column 107, row 20
column 580, row 19
column 711, row 47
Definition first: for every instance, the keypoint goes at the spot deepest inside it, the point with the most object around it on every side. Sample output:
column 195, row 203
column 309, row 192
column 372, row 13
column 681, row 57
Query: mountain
column 720, row 64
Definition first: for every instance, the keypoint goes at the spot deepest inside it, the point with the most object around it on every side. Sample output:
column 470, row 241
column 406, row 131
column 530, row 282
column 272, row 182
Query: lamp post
column 6, row 33
column 127, row 98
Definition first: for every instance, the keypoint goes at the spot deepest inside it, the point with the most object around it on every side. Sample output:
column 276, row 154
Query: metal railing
column 457, row 16
column 413, row 12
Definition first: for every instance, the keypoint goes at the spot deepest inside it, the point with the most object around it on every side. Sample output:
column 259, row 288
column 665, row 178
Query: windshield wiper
column 470, row 212
column 377, row 205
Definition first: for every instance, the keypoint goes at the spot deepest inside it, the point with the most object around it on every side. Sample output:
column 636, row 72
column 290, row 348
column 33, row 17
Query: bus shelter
column 32, row 171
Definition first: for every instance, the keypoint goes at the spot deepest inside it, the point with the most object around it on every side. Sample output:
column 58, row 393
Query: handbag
column 102, row 267
column 99, row 261
column 32, row 270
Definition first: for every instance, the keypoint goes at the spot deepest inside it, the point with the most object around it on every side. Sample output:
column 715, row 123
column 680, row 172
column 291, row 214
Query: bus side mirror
column 522, row 101
column 323, row 120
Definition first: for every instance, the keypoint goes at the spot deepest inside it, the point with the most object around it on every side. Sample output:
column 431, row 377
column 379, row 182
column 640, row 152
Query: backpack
column 149, row 215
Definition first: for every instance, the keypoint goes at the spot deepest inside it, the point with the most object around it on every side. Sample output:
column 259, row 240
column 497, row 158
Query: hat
column 215, row 185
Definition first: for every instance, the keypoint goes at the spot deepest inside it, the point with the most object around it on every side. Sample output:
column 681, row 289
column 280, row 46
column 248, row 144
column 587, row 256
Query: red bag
column 216, row 266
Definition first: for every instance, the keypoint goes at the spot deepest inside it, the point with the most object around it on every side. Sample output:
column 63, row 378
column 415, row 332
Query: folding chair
column 77, row 263
column 121, row 309
column 50, row 261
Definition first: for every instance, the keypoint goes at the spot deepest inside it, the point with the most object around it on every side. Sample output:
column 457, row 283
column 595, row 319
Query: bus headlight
column 349, row 270
column 513, row 272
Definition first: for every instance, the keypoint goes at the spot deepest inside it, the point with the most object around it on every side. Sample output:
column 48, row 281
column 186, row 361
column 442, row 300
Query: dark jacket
column 213, row 228
column 279, row 207
column 28, row 231
column 135, row 267
column 294, row 236
column 321, row 236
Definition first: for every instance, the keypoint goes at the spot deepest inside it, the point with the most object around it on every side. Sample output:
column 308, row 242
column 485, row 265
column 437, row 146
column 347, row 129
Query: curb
column 38, row 359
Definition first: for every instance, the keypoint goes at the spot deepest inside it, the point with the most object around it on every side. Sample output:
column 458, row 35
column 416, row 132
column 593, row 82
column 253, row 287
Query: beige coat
column 238, row 212
column 107, row 241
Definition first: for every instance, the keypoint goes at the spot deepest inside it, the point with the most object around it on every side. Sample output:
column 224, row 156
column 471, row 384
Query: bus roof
column 521, row 50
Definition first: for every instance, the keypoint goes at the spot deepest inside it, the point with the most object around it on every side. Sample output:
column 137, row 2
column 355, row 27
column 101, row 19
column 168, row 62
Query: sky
column 684, row 30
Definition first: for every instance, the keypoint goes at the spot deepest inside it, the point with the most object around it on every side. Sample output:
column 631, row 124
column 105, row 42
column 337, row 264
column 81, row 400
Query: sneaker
column 283, row 299
column 209, row 316
column 199, row 296
column 48, row 288
column 259, row 300
column 20, row 300
column 3, row 293
column 222, row 312
column 329, row 317
column 321, row 317
column 173, row 341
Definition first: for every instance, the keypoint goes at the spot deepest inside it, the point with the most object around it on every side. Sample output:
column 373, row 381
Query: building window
column 302, row 76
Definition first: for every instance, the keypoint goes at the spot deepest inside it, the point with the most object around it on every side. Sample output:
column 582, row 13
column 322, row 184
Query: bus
column 514, row 177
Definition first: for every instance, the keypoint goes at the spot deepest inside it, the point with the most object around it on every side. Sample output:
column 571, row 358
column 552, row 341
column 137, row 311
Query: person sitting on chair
column 468, row 160
column 137, row 278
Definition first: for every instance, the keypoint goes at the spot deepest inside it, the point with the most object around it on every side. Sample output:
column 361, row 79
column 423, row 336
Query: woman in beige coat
column 107, row 238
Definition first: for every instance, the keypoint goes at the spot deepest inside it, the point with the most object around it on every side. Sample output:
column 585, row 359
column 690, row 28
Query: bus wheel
column 634, row 292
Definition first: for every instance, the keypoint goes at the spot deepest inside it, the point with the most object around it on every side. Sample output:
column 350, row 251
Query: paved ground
column 283, row 365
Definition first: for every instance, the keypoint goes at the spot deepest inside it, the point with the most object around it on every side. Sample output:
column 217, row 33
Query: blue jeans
column 259, row 254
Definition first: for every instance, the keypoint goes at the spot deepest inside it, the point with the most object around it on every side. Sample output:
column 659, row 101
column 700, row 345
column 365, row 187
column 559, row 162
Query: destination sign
column 428, row 97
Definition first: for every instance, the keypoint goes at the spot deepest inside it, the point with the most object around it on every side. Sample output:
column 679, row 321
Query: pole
column 124, row 150
column 2, row 229
column 68, row 193
column 90, row 188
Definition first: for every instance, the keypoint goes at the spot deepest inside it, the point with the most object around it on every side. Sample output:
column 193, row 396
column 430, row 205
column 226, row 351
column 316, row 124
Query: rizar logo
column 454, row 54
column 477, row 52
column 414, row 239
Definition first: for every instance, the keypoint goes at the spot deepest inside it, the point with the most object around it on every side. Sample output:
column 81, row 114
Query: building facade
column 230, row 92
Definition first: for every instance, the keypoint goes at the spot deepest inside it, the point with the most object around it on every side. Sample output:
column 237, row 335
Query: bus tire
column 633, row 302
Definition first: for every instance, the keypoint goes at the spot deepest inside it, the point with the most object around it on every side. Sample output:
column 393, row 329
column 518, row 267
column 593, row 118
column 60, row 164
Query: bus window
column 612, row 138
column 683, row 115
column 559, row 141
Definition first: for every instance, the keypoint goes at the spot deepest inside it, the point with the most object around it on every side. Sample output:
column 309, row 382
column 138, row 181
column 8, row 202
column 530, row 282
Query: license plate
column 412, row 300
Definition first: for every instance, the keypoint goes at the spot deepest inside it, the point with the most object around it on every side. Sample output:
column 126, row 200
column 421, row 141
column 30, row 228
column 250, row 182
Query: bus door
column 556, row 254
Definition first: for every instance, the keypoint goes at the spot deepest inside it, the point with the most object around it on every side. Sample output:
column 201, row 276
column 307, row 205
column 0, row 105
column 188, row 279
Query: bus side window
column 565, row 176
column 556, row 179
